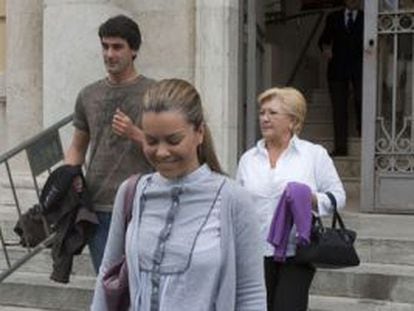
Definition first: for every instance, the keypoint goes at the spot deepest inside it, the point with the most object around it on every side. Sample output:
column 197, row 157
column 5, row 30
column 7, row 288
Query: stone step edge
column 376, row 269
column 338, row 303
column 42, row 279
column 18, row 308
column 88, row 282
column 353, row 158
column 352, row 139
column 317, row 122
column 350, row 179
column 36, row 290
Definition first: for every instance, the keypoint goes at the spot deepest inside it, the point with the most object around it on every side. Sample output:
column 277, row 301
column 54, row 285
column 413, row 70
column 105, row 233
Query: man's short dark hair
column 123, row 27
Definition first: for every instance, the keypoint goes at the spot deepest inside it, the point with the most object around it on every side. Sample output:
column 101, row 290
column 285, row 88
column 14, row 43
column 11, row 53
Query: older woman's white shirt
column 303, row 162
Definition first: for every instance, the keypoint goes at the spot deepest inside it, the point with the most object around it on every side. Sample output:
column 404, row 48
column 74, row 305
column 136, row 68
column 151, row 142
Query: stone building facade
column 53, row 51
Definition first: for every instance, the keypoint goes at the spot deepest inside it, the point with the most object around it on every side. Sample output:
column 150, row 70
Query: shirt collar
column 354, row 13
column 294, row 145
column 195, row 176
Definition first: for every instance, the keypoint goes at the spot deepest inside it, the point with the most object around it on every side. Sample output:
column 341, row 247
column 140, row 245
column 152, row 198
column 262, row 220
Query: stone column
column 24, row 69
column 217, row 73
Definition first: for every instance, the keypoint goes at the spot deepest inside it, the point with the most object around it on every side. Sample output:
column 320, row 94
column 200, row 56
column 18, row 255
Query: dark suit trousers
column 287, row 285
column 339, row 93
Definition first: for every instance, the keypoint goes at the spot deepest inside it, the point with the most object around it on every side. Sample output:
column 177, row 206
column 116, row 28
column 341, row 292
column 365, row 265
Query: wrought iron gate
column 388, row 134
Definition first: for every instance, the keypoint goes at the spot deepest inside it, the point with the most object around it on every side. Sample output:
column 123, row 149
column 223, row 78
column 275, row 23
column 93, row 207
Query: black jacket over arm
column 68, row 213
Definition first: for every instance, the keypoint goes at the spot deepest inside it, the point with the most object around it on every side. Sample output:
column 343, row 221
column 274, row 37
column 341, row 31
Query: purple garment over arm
column 295, row 206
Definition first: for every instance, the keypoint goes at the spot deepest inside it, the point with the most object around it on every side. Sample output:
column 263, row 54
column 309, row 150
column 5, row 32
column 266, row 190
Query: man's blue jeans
column 98, row 241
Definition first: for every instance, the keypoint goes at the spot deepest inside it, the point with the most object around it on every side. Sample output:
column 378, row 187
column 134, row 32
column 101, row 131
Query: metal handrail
column 22, row 146
column 51, row 135
column 293, row 16
column 305, row 48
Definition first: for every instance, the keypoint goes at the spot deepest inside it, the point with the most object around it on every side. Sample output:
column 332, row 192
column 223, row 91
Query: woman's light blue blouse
column 178, row 242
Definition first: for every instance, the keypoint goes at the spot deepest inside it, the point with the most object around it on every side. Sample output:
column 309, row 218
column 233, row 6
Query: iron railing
column 275, row 19
column 43, row 151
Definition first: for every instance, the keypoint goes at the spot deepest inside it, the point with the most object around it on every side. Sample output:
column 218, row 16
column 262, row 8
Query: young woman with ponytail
column 192, row 243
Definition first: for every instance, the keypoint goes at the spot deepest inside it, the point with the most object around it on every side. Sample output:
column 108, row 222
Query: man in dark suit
column 341, row 44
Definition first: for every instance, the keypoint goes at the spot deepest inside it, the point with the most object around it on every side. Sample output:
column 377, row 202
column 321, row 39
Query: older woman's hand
column 314, row 202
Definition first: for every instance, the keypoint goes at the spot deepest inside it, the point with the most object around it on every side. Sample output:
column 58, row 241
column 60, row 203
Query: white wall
column 24, row 69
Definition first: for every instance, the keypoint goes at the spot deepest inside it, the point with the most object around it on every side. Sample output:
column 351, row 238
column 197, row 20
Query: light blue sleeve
column 250, row 287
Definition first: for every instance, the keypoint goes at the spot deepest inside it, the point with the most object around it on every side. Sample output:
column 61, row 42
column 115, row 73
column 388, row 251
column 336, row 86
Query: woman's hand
column 314, row 202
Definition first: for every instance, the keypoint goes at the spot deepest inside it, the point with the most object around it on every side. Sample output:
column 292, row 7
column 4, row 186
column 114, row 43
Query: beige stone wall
column 57, row 52
column 24, row 69
column 3, row 127
column 2, row 35
column 168, row 30
column 72, row 53
column 217, row 74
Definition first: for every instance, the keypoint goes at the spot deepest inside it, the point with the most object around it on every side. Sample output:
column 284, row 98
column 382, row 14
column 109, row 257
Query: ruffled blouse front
column 173, row 242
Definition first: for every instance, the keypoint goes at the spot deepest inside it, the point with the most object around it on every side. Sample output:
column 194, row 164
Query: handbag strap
column 129, row 197
column 336, row 216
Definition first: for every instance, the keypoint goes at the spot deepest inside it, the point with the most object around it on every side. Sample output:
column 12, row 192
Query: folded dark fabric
column 30, row 227
column 67, row 213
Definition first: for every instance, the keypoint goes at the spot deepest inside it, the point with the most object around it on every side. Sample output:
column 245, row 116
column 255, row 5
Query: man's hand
column 77, row 184
column 123, row 126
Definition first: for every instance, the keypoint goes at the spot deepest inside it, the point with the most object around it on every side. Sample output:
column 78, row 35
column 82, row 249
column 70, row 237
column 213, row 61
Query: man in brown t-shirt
column 102, row 120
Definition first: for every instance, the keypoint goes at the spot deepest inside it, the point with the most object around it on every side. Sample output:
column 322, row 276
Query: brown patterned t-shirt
column 111, row 158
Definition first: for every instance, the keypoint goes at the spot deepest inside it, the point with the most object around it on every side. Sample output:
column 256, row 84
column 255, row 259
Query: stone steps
column 14, row 308
column 352, row 187
column 319, row 97
column 42, row 262
column 317, row 128
column 369, row 281
column 25, row 289
column 386, row 251
column 318, row 112
column 349, row 166
column 382, row 227
column 354, row 144
column 385, row 279
column 329, row 303
column 313, row 129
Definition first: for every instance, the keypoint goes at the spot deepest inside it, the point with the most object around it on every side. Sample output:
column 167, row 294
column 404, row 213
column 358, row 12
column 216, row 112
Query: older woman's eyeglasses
column 271, row 113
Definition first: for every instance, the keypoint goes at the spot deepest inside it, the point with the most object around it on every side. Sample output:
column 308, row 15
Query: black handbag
column 329, row 247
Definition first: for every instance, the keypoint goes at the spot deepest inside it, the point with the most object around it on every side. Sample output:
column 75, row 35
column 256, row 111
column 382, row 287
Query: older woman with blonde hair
column 278, row 158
